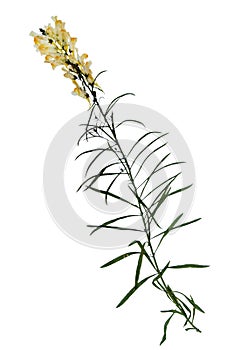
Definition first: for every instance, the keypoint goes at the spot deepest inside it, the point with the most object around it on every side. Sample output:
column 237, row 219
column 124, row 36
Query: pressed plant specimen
column 59, row 49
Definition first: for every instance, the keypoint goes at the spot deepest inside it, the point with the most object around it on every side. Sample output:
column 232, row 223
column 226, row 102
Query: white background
column 180, row 58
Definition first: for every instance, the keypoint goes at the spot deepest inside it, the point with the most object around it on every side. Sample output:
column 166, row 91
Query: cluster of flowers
column 59, row 49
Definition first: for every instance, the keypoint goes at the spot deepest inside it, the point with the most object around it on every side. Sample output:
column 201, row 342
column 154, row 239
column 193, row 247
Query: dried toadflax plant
column 59, row 49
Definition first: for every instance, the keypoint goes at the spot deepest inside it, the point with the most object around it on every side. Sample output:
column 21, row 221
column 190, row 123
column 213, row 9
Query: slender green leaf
column 102, row 125
column 113, row 195
column 107, row 223
column 146, row 147
column 169, row 229
column 139, row 265
column 90, row 151
column 188, row 223
column 94, row 159
column 174, row 222
column 136, row 242
column 175, row 227
column 180, row 190
column 103, row 71
column 115, row 100
column 148, row 156
column 196, row 306
column 100, row 173
column 96, row 176
column 193, row 314
column 141, row 138
column 168, row 165
column 164, row 195
column 152, row 173
column 130, row 120
column 172, row 226
column 172, row 311
column 171, row 179
column 133, row 290
column 156, row 171
column 121, row 257
column 110, row 185
column 119, row 228
column 145, row 182
column 165, row 329
column 187, row 266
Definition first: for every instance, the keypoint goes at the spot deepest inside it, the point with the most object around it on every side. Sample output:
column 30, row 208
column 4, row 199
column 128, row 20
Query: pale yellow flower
column 72, row 44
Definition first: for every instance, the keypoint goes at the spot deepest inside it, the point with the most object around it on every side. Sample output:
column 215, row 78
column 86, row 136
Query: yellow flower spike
column 59, row 49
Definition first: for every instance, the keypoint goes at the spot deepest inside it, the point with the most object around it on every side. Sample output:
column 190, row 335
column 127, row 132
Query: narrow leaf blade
column 119, row 258
column 185, row 266
column 141, row 138
column 188, row 223
column 112, row 195
column 107, row 223
column 180, row 190
column 139, row 265
column 133, row 290
column 130, row 120
column 165, row 329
